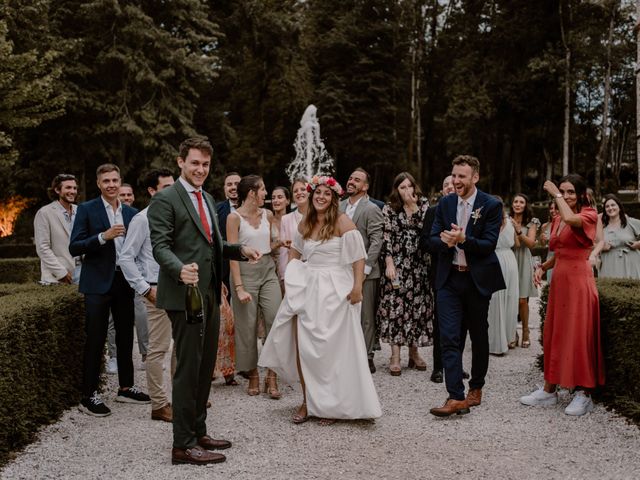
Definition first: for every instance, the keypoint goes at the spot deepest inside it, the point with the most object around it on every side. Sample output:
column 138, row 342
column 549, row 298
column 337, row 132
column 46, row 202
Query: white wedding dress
column 333, row 356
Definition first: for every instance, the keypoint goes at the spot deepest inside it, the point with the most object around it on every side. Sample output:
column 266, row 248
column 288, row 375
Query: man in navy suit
column 98, row 234
column 465, row 233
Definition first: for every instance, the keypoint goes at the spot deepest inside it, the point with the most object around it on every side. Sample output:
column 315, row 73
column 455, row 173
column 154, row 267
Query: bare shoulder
column 345, row 224
column 269, row 214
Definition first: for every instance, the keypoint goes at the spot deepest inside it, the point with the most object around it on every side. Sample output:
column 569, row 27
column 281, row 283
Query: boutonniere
column 476, row 214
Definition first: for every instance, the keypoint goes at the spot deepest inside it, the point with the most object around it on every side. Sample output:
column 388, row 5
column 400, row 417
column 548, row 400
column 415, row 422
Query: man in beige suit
column 52, row 229
column 369, row 221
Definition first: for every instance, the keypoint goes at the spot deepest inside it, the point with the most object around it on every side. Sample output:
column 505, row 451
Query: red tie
column 203, row 216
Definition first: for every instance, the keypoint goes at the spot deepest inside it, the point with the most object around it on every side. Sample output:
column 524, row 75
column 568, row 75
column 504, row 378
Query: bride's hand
column 355, row 296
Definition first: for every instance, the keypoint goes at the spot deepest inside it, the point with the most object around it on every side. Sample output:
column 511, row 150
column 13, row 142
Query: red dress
column 572, row 350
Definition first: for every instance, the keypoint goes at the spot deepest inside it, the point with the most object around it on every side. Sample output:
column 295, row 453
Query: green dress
column 525, row 267
column 621, row 261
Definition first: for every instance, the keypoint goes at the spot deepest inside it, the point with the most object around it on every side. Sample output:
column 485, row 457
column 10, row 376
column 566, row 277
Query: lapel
column 343, row 205
column 452, row 211
column 478, row 204
column 188, row 204
column 217, row 236
column 57, row 210
column 102, row 213
column 360, row 208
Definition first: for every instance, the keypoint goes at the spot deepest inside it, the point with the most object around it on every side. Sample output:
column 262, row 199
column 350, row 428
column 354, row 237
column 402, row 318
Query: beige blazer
column 51, row 236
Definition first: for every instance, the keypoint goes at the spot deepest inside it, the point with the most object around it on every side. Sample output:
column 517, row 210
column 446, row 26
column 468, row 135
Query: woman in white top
column 280, row 200
column 289, row 223
column 324, row 347
column 254, row 285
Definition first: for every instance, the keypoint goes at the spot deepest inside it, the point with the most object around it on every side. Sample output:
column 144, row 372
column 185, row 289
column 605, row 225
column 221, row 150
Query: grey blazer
column 51, row 236
column 369, row 222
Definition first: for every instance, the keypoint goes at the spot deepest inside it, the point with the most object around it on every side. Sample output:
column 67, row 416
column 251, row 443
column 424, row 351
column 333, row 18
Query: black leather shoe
column 436, row 376
column 372, row 367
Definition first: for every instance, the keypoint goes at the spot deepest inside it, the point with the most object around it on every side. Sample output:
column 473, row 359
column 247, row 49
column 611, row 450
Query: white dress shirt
column 190, row 190
column 351, row 207
column 115, row 218
column 136, row 259
column 463, row 214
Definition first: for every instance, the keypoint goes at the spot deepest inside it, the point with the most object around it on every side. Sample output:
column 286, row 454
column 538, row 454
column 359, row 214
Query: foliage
column 41, row 344
column 399, row 85
column 18, row 270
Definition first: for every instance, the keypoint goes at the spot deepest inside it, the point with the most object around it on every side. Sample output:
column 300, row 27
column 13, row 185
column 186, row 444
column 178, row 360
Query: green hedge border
column 41, row 344
column 19, row 270
column 620, row 334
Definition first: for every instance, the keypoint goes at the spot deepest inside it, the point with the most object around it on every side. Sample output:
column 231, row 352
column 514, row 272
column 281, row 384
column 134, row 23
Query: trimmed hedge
column 620, row 334
column 19, row 250
column 41, row 345
column 19, row 270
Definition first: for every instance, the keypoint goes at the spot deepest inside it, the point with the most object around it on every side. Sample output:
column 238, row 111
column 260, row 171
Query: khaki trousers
column 159, row 345
column 261, row 281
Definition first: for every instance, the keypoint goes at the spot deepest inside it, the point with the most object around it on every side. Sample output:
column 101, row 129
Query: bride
column 324, row 347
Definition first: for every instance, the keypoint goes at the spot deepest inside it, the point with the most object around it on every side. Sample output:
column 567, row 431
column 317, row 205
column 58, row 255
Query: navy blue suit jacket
column 223, row 209
column 99, row 262
column 479, row 246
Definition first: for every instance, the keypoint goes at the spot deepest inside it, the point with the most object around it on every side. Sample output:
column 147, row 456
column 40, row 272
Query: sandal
column 415, row 360
column 254, row 386
column 394, row 366
column 325, row 422
column 298, row 417
column 514, row 344
column 526, row 343
column 230, row 380
column 271, row 386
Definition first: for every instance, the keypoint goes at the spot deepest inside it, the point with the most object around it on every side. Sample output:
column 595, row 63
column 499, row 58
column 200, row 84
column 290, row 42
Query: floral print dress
column 405, row 314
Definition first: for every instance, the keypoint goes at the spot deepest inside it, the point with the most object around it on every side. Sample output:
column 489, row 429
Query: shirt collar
column 354, row 205
column 188, row 187
column 108, row 205
column 471, row 200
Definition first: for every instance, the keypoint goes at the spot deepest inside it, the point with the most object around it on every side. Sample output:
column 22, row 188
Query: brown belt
column 461, row 268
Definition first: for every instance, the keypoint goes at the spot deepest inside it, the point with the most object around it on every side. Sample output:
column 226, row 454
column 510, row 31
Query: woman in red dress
column 571, row 343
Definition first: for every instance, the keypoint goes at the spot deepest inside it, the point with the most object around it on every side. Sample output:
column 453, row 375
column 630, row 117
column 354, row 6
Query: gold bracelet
column 238, row 286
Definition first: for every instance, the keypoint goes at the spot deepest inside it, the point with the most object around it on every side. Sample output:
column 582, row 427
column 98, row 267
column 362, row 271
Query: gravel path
column 499, row 439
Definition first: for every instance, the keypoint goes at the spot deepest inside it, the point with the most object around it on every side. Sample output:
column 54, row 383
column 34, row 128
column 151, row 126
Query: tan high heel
column 271, row 386
column 254, row 385
column 415, row 360
column 298, row 417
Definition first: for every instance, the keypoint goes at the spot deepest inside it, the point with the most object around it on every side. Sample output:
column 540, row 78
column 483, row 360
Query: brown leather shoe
column 195, row 456
column 209, row 443
column 451, row 406
column 163, row 413
column 474, row 397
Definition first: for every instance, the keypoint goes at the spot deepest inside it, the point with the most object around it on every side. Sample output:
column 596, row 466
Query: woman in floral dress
column 406, row 308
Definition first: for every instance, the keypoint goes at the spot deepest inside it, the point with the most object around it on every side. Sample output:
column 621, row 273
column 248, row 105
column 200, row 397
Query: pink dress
column 288, row 228
column 572, row 349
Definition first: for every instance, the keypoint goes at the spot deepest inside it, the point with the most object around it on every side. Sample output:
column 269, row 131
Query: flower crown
column 330, row 182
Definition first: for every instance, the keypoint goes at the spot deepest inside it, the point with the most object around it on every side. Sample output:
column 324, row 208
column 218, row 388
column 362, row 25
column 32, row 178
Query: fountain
column 312, row 157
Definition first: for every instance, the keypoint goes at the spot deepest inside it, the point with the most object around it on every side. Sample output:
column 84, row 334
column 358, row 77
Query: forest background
column 530, row 87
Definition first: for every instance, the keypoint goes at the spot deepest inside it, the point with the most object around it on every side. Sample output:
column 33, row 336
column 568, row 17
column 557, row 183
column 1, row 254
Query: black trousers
column 119, row 301
column 196, row 350
column 461, row 305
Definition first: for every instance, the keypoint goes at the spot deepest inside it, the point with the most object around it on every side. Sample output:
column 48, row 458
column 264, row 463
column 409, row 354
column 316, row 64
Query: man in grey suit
column 369, row 221
column 52, row 228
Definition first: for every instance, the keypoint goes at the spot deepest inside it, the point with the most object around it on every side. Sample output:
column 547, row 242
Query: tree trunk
column 566, row 39
column 638, row 95
column 604, row 136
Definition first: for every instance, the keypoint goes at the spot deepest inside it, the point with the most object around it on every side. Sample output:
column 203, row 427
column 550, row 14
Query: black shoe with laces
column 94, row 406
column 132, row 395
column 436, row 376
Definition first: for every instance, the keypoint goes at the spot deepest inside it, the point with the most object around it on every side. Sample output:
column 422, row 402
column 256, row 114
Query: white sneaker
column 540, row 398
column 112, row 366
column 580, row 404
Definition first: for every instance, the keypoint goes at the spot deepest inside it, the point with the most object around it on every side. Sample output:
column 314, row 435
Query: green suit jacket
column 178, row 238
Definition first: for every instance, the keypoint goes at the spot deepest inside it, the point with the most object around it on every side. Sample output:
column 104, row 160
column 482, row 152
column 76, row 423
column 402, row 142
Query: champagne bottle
column 193, row 305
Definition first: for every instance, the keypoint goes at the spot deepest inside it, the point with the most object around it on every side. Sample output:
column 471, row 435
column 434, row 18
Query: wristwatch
column 558, row 195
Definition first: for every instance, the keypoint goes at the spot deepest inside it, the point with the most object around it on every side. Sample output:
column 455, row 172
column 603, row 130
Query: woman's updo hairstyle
column 248, row 183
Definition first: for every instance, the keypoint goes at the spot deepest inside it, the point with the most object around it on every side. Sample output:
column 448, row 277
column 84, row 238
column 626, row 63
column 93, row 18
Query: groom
column 465, row 233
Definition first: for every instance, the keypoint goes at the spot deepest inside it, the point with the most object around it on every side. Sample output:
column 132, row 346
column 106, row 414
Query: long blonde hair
column 330, row 226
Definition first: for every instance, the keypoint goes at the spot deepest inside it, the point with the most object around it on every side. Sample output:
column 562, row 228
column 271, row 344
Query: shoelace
column 134, row 390
column 95, row 399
